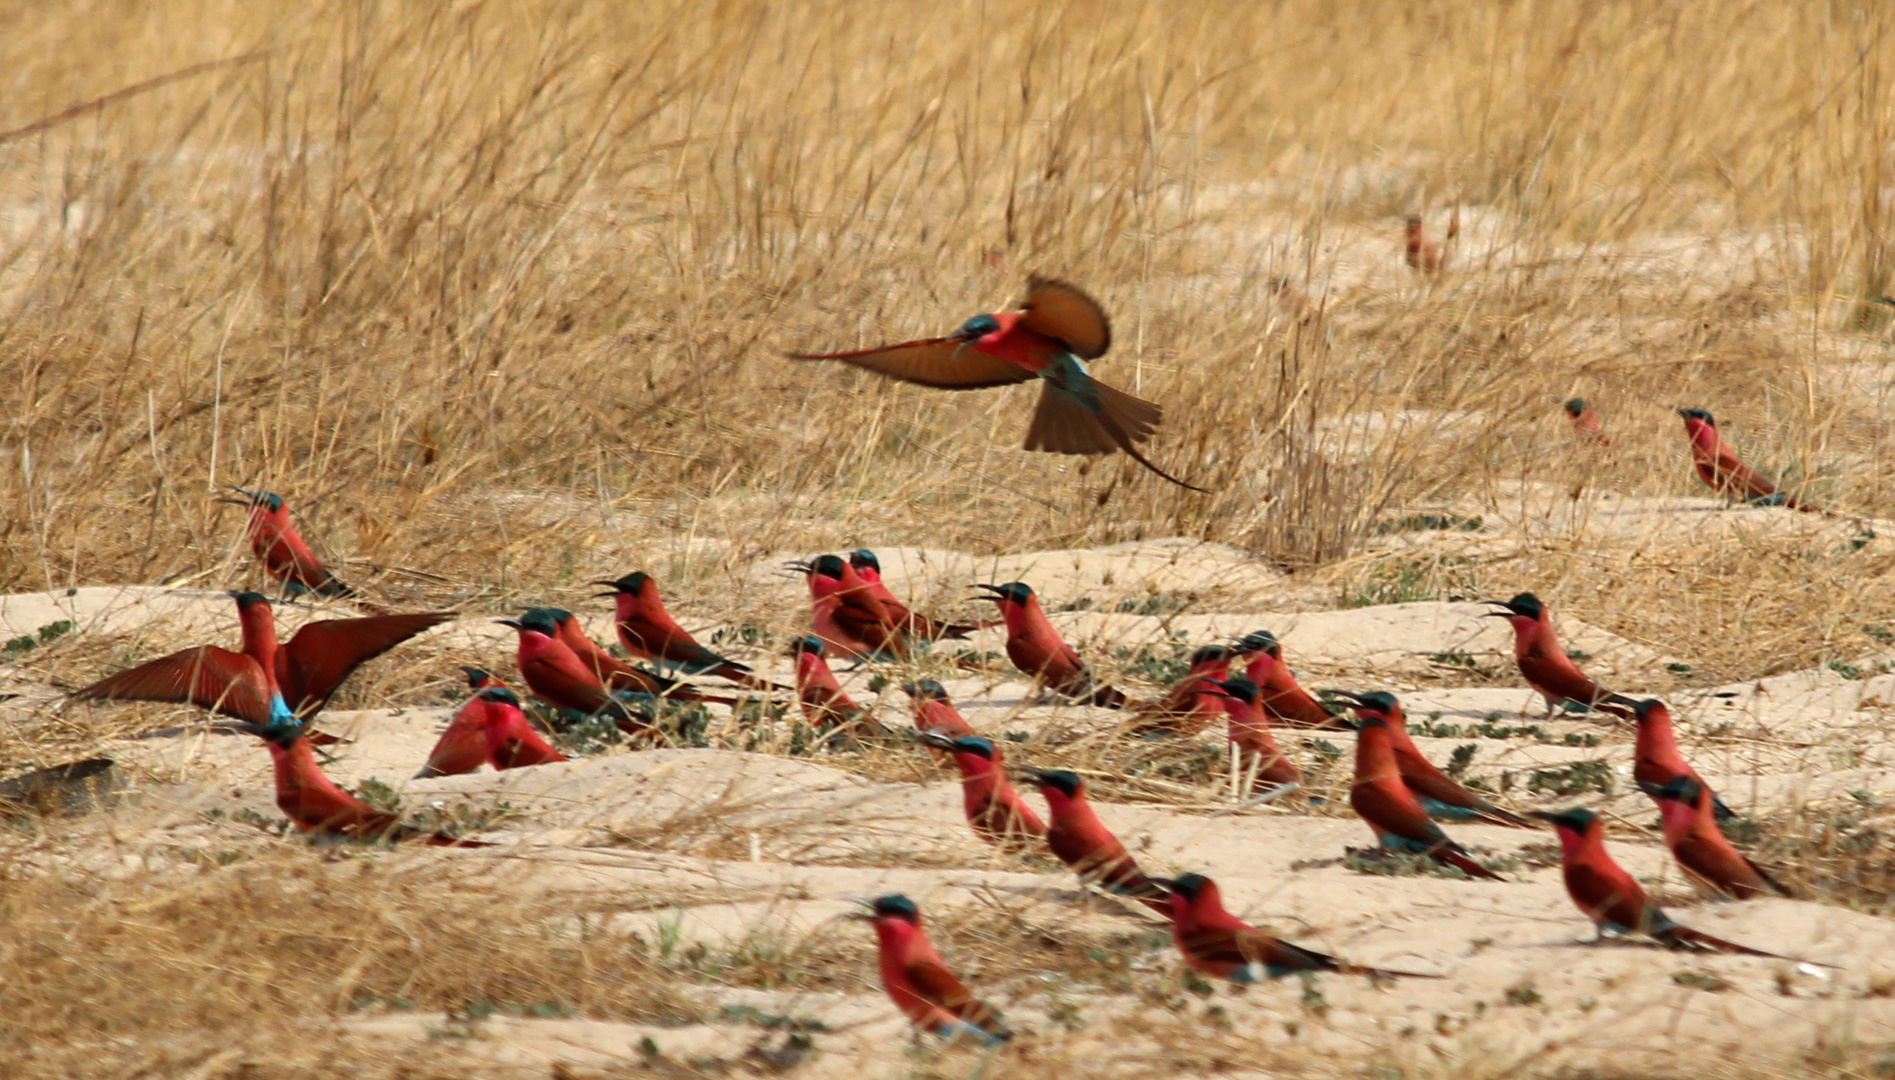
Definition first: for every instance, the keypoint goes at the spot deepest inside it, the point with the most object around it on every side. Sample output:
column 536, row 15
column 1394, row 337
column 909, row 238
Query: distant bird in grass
column 558, row 677
column 1193, row 702
column 1586, row 426
column 1383, row 800
column 621, row 677
column 1612, row 898
column 268, row 682
column 1217, row 943
column 1703, row 851
column 284, row 553
column 1035, row 647
column 462, row 747
column 1081, row 841
column 1656, row 759
column 1723, row 472
column 646, row 629
column 1056, row 330
column 918, row 980
column 1443, row 797
column 917, row 627
column 1278, row 692
column 1249, row 735
column 846, row 615
column 934, row 710
column 1423, row 255
column 1542, row 661
column 994, row 808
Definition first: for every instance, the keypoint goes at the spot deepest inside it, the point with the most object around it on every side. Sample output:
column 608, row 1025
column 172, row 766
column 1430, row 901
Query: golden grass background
column 496, row 293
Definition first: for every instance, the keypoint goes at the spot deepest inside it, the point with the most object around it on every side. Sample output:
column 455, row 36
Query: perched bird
column 268, row 680
column 512, row 743
column 462, row 748
column 1723, row 472
column 994, row 808
column 1391, row 810
column 275, row 540
column 825, row 704
column 916, row 627
column 1611, row 898
column 1700, row 846
column 1442, row 796
column 1278, row 692
column 934, row 712
column 1035, row 647
column 847, row 616
column 1081, row 841
column 1251, row 740
column 1543, row 663
column 620, row 676
column 1586, row 426
column 1056, row 329
column 1656, row 759
column 1218, row 943
column 313, row 802
column 1192, row 703
column 647, row 630
column 558, row 677
column 1423, row 255
column 918, row 980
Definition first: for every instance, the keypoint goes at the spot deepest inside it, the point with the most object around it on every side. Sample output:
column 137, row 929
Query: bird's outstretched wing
column 315, row 661
column 946, row 363
column 1063, row 311
column 212, row 678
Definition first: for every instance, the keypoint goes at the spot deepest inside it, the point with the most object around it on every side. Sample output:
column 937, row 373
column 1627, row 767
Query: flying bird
column 1278, row 692
column 1585, row 422
column 916, row 627
column 1035, row 647
column 1391, row 810
column 1656, row 759
column 284, row 553
column 646, row 629
column 1056, row 330
column 1218, row 943
column 918, row 980
column 1703, row 851
column 1725, row 473
column 1081, row 841
column 1443, row 797
column 1542, row 662
column 994, row 808
column 1612, row 898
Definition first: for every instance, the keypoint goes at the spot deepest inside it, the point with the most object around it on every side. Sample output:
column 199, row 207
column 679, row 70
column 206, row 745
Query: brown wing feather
column 1062, row 425
column 946, row 363
column 1136, row 417
column 209, row 677
column 312, row 664
column 1063, row 311
column 933, row 981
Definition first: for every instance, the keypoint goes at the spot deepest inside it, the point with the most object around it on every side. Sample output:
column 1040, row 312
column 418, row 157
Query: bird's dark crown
column 1242, row 689
column 245, row 599
column 1578, row 819
column 1016, row 592
column 476, row 675
column 1208, row 653
column 1380, row 701
column 1189, row 885
column 1260, row 641
column 268, row 499
column 1576, row 406
column 501, row 694
column 1697, row 414
column 633, row 582
column 862, row 557
column 808, row 643
column 895, row 906
column 539, row 620
column 926, row 689
column 1059, row 780
column 1522, row 604
column 829, row 566
column 974, row 744
column 978, row 326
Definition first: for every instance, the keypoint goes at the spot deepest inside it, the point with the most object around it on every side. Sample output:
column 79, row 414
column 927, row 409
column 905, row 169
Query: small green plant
column 379, row 795
column 45, row 635
column 1844, row 669
column 1523, row 994
column 1462, row 757
column 1573, row 779
column 1700, row 980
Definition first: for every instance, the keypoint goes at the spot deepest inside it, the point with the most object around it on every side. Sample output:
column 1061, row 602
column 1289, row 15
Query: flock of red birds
column 274, row 689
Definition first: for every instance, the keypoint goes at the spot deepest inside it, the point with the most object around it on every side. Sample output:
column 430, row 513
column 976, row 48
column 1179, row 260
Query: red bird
column 1723, row 472
column 1586, row 426
column 462, row 748
column 512, row 743
column 616, row 674
column 994, row 808
column 1542, row 662
column 1701, row 848
column 267, row 681
column 1656, row 759
column 647, row 630
column 1251, row 740
column 846, row 614
column 1035, row 647
column 1280, row 695
column 934, row 713
column 316, row 805
column 915, row 627
column 1391, row 810
column 825, row 704
column 1612, row 899
column 918, row 980
column 1218, row 943
column 1192, row 703
column 275, row 540
column 1056, row 329
column 1442, row 796
column 1082, row 841
column 1423, row 255
column 558, row 677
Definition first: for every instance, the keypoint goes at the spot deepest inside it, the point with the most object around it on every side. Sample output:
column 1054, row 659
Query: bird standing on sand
column 1390, row 809
column 934, row 711
column 1035, row 647
column 558, row 677
column 1081, row 841
column 462, row 747
column 1542, row 662
column 1278, row 692
column 647, row 630
column 1056, row 330
column 1656, row 759
column 918, row 980
column 1443, row 797
column 287, row 558
column 994, row 808
column 1703, row 851
column 620, row 676
column 846, row 615
column 1724, row 472
column 915, row 626
column 1251, row 741
column 1192, row 702
column 1218, row 943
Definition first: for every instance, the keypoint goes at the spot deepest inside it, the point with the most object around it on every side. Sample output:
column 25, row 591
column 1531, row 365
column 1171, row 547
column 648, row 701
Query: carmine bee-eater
column 1056, row 329
column 1585, row 422
column 1700, row 846
column 647, row 630
column 1081, row 841
column 1192, row 703
column 918, row 980
column 1543, row 663
column 934, row 712
column 1391, row 810
column 825, row 704
column 618, row 675
column 1250, row 737
column 846, row 615
column 1612, row 899
column 462, row 748
column 1035, row 647
column 915, row 626
column 1218, row 943
column 1656, row 759
column 994, row 808
column 267, row 681
column 1278, row 692
column 1423, row 255
column 284, row 553
column 512, row 743
column 1724, row 472
column 558, row 677
column 1442, row 796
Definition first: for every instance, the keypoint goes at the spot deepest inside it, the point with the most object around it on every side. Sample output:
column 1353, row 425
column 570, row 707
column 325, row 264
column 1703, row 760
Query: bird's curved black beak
column 1544, row 815
column 935, row 739
column 801, row 566
column 515, row 623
